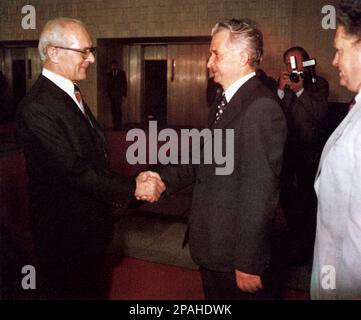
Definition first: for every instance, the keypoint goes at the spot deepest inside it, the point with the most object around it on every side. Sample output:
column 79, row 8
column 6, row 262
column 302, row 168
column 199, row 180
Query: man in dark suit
column 117, row 91
column 305, row 105
column 71, row 189
column 231, row 218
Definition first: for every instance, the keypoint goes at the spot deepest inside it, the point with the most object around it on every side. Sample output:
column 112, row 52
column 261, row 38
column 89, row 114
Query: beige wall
column 284, row 22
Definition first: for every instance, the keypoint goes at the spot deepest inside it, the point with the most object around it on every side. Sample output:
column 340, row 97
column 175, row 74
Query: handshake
column 149, row 186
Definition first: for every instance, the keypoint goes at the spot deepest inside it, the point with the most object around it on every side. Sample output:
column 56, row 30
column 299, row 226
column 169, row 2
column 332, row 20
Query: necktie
column 353, row 102
column 221, row 107
column 77, row 94
column 80, row 99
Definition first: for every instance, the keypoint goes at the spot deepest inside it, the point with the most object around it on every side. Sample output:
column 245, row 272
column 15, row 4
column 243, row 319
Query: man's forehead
column 341, row 34
column 79, row 36
column 219, row 38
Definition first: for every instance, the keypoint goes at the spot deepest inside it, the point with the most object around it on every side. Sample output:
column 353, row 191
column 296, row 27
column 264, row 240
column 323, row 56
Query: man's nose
column 335, row 61
column 210, row 61
column 91, row 58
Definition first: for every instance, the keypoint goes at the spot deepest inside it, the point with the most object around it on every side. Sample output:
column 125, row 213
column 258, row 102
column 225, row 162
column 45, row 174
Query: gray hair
column 243, row 35
column 54, row 34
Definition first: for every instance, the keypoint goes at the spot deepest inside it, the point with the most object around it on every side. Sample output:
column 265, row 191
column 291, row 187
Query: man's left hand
column 248, row 282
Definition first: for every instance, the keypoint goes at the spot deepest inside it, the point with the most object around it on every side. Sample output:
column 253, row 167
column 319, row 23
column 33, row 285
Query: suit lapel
column 353, row 115
column 69, row 104
column 236, row 104
column 94, row 122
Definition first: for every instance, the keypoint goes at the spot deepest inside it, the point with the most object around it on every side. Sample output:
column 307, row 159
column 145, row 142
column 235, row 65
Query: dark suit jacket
column 306, row 120
column 117, row 85
column 71, row 189
column 232, row 215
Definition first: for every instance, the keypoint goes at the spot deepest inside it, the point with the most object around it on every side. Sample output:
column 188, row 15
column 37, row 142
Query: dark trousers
column 299, row 204
column 82, row 278
column 223, row 286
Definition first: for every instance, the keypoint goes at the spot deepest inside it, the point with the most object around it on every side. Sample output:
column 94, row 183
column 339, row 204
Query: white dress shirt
column 64, row 84
column 229, row 93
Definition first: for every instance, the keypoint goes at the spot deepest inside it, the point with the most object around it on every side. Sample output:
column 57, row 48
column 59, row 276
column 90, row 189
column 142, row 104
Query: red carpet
column 135, row 279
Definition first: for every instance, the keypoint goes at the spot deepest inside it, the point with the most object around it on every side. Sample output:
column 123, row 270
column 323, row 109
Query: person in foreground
column 71, row 188
column 231, row 216
column 337, row 253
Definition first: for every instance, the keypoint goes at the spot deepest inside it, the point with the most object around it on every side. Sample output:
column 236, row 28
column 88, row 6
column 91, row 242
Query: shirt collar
column 358, row 97
column 63, row 83
column 229, row 93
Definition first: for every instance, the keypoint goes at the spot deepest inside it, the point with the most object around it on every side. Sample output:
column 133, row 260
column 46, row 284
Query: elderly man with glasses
column 71, row 188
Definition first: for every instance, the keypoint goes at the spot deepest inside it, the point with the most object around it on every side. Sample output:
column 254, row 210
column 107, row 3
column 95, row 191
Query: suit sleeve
column 315, row 100
column 261, row 150
column 176, row 177
column 51, row 148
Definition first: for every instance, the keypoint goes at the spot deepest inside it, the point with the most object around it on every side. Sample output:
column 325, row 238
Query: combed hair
column 54, row 33
column 349, row 16
column 244, row 35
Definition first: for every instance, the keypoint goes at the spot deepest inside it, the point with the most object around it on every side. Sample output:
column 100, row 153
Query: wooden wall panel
column 132, row 107
column 187, row 103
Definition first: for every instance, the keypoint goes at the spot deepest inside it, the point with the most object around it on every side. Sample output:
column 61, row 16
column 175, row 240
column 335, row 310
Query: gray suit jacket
column 232, row 215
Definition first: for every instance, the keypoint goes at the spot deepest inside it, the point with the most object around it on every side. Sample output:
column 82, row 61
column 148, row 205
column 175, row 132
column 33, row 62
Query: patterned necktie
column 221, row 107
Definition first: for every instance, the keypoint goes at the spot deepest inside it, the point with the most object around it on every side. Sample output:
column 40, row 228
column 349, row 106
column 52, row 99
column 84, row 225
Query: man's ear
column 244, row 56
column 52, row 53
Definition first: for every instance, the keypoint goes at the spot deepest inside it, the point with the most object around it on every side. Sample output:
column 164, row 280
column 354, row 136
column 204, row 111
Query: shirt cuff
column 298, row 93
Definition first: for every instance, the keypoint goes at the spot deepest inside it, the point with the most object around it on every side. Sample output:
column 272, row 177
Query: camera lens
column 294, row 77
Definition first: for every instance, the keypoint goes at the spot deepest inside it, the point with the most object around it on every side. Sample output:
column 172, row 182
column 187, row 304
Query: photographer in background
column 304, row 102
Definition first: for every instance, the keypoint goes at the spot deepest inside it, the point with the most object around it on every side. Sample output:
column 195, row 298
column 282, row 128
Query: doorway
column 155, row 92
column 19, row 80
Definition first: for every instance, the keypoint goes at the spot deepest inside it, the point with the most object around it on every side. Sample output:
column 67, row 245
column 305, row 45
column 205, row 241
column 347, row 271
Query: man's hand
column 285, row 80
column 248, row 282
column 149, row 186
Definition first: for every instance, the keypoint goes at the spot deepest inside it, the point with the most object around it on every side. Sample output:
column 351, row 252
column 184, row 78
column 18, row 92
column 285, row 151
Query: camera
column 308, row 67
column 295, row 75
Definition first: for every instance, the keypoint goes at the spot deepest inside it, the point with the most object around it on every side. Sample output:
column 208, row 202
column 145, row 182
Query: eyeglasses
column 84, row 52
